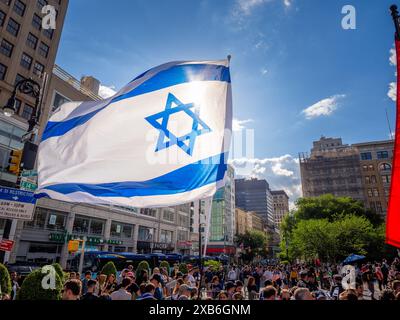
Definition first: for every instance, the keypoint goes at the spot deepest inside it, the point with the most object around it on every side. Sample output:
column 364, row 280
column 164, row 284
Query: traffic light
column 14, row 165
column 73, row 246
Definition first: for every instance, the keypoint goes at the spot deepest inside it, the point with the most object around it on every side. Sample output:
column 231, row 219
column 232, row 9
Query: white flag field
column 162, row 140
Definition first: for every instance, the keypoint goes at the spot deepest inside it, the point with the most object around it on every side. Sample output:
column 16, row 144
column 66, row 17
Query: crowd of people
column 372, row 281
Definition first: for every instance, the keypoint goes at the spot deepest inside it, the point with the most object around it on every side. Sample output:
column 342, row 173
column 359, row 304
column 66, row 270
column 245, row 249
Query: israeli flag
column 162, row 140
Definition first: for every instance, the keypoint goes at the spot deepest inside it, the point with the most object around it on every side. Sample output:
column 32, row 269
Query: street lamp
column 29, row 87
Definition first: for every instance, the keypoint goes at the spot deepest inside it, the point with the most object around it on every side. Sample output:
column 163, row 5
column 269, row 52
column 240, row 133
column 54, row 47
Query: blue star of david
column 167, row 139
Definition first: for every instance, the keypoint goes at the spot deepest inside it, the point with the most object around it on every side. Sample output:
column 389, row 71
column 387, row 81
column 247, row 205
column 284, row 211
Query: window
column 369, row 193
column 44, row 49
column 41, row 3
column 386, row 179
column 373, row 179
column 148, row 212
column 367, row 179
column 366, row 156
column 365, row 167
column 18, row 78
column 18, row 104
column 145, row 234
column 119, row 230
column 48, row 33
column 378, row 207
column 382, row 154
column 376, row 192
column 96, row 227
column 371, row 167
column 13, row 27
column 39, row 219
column 31, row 41
column 81, row 225
column 38, row 69
column 37, row 22
column 2, row 18
column 58, row 101
column 168, row 215
column 27, row 111
column 26, row 61
column 385, row 166
column 165, row 236
column 56, row 220
column 19, row 7
column 3, row 71
column 6, row 48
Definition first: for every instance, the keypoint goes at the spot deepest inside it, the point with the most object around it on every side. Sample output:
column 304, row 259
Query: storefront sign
column 64, row 238
column 16, row 204
column 6, row 245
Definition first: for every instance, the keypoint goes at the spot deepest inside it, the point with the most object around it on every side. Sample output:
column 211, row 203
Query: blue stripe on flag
column 175, row 75
column 188, row 178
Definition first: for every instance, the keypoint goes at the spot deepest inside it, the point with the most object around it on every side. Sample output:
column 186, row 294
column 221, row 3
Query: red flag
column 393, row 215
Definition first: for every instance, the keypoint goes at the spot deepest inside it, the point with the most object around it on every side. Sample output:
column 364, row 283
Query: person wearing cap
column 156, row 281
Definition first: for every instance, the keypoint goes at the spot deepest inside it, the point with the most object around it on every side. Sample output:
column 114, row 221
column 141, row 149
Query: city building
column 255, row 195
column 376, row 170
column 27, row 51
column 108, row 228
column 241, row 218
column 255, row 222
column 331, row 168
column 281, row 206
column 222, row 228
column 361, row 171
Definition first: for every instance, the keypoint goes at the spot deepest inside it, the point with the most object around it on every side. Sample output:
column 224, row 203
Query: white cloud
column 392, row 57
column 264, row 71
column 282, row 173
column 106, row 92
column 324, row 107
column 246, row 6
column 287, row 3
column 238, row 125
column 392, row 93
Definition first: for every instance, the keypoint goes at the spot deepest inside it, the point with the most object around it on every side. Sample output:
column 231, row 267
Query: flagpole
column 200, row 256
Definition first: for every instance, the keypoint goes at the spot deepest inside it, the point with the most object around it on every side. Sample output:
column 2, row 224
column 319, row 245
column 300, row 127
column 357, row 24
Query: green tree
column 165, row 264
column 109, row 268
column 32, row 287
column 143, row 265
column 5, row 280
column 330, row 207
column 183, row 268
column 63, row 275
column 254, row 242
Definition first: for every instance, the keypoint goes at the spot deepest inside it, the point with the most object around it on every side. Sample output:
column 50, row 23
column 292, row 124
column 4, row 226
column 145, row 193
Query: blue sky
column 296, row 74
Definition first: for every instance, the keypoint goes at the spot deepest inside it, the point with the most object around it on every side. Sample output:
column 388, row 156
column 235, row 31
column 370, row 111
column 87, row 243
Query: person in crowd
column 237, row 296
column 222, row 295
column 269, row 293
column 252, row 288
column 72, row 290
column 111, row 284
column 232, row 275
column 148, row 292
column 88, row 276
column 184, row 291
column 90, row 291
column 303, row 294
column 230, row 289
column 348, row 294
column 285, row 295
column 101, row 284
column 122, row 293
column 216, row 286
column 14, row 285
column 157, row 282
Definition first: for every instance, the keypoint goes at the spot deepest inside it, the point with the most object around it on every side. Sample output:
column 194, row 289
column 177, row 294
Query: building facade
column 331, row 168
column 222, row 224
column 281, row 206
column 376, row 170
column 361, row 171
column 26, row 51
column 255, row 195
